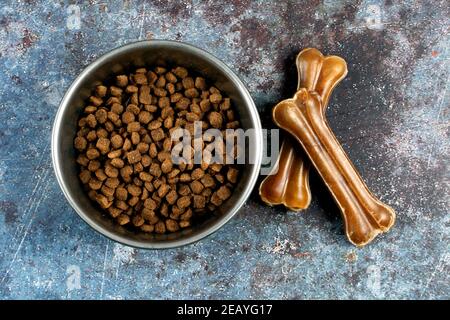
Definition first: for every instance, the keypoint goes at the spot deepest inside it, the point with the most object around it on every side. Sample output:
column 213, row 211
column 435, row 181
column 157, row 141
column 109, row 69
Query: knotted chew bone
column 364, row 215
column 288, row 184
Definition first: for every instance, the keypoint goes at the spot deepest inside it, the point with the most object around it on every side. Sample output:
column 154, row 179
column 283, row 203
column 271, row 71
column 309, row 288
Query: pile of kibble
column 124, row 149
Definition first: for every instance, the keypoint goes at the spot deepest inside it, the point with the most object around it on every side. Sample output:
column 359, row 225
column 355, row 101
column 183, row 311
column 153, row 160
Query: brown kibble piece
column 185, row 177
column 155, row 124
column 170, row 87
column 149, row 215
column 122, row 205
column 126, row 144
column 232, row 175
column 200, row 83
column 191, row 117
column 160, row 92
column 184, row 202
column 188, row 83
column 112, row 183
column 117, row 141
column 155, row 170
column 91, row 121
column 147, row 228
column 103, row 145
column 145, row 176
column 133, row 108
column 123, row 219
column 205, row 105
column 128, row 117
column 153, row 152
column 196, row 187
column 185, row 224
column 140, row 78
column 220, row 178
column 199, row 201
column 126, row 171
column 95, row 184
column 160, row 227
column 197, row 174
column 174, row 98
column 80, row 143
column 114, row 212
column 215, row 119
column 233, row 125
column 101, row 115
column 186, row 215
column 107, row 191
column 142, row 147
column 223, row 193
column 135, row 138
column 166, row 166
column 122, row 81
column 85, row 176
column 115, row 91
column 171, row 77
column 100, row 91
column 215, row 199
column 117, row 163
column 164, row 102
column 157, row 134
column 162, row 190
column 133, row 126
column 180, row 72
column 133, row 201
column 112, row 172
column 183, row 104
column 100, row 174
column 161, row 82
column 171, row 197
column 150, row 204
column 172, row 225
column 137, row 221
column 215, row 98
column 115, row 154
column 191, row 93
column 93, row 165
column 96, row 101
column 144, row 117
column 134, row 156
column 134, row 190
column 117, row 108
column 226, row 104
column 151, row 76
column 92, row 153
column 144, row 95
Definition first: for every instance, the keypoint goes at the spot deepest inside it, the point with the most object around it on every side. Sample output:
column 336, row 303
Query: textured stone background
column 391, row 113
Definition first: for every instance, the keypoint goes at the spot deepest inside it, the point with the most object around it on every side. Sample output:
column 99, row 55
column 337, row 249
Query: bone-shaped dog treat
column 289, row 184
column 364, row 215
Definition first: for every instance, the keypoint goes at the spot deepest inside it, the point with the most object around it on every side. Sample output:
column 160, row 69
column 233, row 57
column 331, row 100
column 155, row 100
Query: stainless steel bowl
column 147, row 53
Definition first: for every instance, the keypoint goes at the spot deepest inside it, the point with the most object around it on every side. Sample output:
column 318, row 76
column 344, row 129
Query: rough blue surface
column 391, row 113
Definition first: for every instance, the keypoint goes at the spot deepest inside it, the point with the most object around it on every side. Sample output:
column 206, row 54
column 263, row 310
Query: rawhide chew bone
column 288, row 184
column 364, row 215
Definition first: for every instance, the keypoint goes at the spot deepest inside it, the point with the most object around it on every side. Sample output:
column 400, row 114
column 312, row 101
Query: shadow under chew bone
column 364, row 215
column 289, row 184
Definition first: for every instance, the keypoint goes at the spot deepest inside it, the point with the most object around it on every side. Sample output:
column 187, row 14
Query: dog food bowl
column 140, row 54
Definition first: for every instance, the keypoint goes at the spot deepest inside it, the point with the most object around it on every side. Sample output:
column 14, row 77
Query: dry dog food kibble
column 124, row 149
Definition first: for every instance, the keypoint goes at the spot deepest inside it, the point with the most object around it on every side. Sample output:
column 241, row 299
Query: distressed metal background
column 391, row 113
